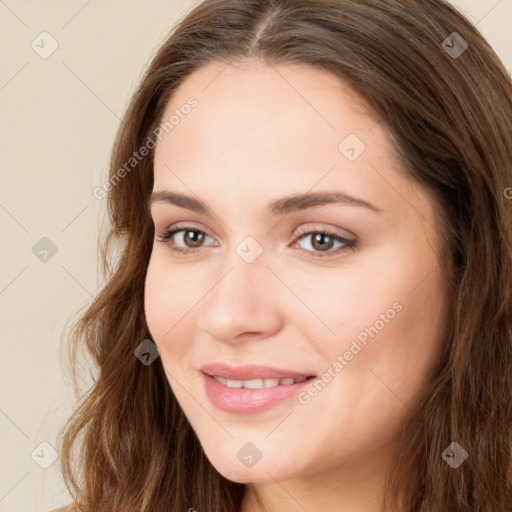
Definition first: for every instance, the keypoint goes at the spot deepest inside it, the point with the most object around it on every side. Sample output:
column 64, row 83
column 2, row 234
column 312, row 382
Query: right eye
column 190, row 235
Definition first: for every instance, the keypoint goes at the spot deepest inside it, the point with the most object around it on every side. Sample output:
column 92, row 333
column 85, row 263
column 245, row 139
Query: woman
column 312, row 306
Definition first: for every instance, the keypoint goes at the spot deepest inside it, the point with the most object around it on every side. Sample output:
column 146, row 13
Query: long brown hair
column 447, row 101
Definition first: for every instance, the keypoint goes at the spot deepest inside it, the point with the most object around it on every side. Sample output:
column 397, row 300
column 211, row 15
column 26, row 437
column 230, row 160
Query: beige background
column 59, row 117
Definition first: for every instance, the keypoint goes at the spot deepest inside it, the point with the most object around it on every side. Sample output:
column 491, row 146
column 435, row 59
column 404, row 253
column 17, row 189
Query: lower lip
column 246, row 401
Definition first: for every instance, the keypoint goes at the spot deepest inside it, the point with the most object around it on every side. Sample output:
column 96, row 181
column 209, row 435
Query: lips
column 251, row 372
column 251, row 388
column 242, row 400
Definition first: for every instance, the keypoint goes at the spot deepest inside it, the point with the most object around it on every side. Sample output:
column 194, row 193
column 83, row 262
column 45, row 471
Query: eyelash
column 349, row 245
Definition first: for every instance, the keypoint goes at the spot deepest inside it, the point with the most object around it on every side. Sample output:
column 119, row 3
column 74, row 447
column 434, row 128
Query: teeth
column 252, row 384
column 258, row 383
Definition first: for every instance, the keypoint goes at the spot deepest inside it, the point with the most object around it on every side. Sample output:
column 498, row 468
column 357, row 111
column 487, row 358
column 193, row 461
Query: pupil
column 320, row 239
column 196, row 238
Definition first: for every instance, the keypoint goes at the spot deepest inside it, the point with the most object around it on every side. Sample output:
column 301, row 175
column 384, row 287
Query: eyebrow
column 281, row 206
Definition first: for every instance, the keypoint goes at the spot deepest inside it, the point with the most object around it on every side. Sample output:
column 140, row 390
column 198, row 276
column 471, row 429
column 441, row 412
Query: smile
column 253, row 395
column 258, row 383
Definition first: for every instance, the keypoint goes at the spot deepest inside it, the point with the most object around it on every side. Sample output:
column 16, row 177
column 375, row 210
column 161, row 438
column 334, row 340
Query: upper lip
column 251, row 371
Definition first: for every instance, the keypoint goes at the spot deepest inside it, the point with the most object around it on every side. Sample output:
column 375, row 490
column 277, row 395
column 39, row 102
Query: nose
column 243, row 302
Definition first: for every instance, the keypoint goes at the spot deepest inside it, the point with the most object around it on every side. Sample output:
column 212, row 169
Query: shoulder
column 68, row 508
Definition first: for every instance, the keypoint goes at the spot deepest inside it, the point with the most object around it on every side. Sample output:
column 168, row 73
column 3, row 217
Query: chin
column 261, row 472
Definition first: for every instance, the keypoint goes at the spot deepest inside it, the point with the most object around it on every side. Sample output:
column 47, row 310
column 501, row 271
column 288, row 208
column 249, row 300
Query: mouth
column 259, row 383
column 251, row 389
column 247, row 373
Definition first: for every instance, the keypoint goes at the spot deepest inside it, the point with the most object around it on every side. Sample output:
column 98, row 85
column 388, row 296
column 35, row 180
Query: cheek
column 380, row 361
column 388, row 352
column 395, row 295
column 355, row 303
column 153, row 300
column 171, row 309
column 161, row 304
column 387, row 320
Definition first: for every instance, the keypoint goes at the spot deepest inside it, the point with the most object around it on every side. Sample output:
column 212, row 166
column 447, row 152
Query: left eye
column 322, row 241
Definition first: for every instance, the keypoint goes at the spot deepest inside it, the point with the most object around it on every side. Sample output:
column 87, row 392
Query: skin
column 259, row 133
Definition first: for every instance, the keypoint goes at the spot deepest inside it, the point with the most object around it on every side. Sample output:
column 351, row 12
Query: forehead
column 268, row 129
column 256, row 97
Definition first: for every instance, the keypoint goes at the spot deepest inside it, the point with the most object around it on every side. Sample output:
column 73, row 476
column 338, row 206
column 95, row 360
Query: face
column 347, row 293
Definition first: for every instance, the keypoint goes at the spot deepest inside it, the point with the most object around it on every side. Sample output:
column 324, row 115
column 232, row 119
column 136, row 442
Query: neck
column 355, row 487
